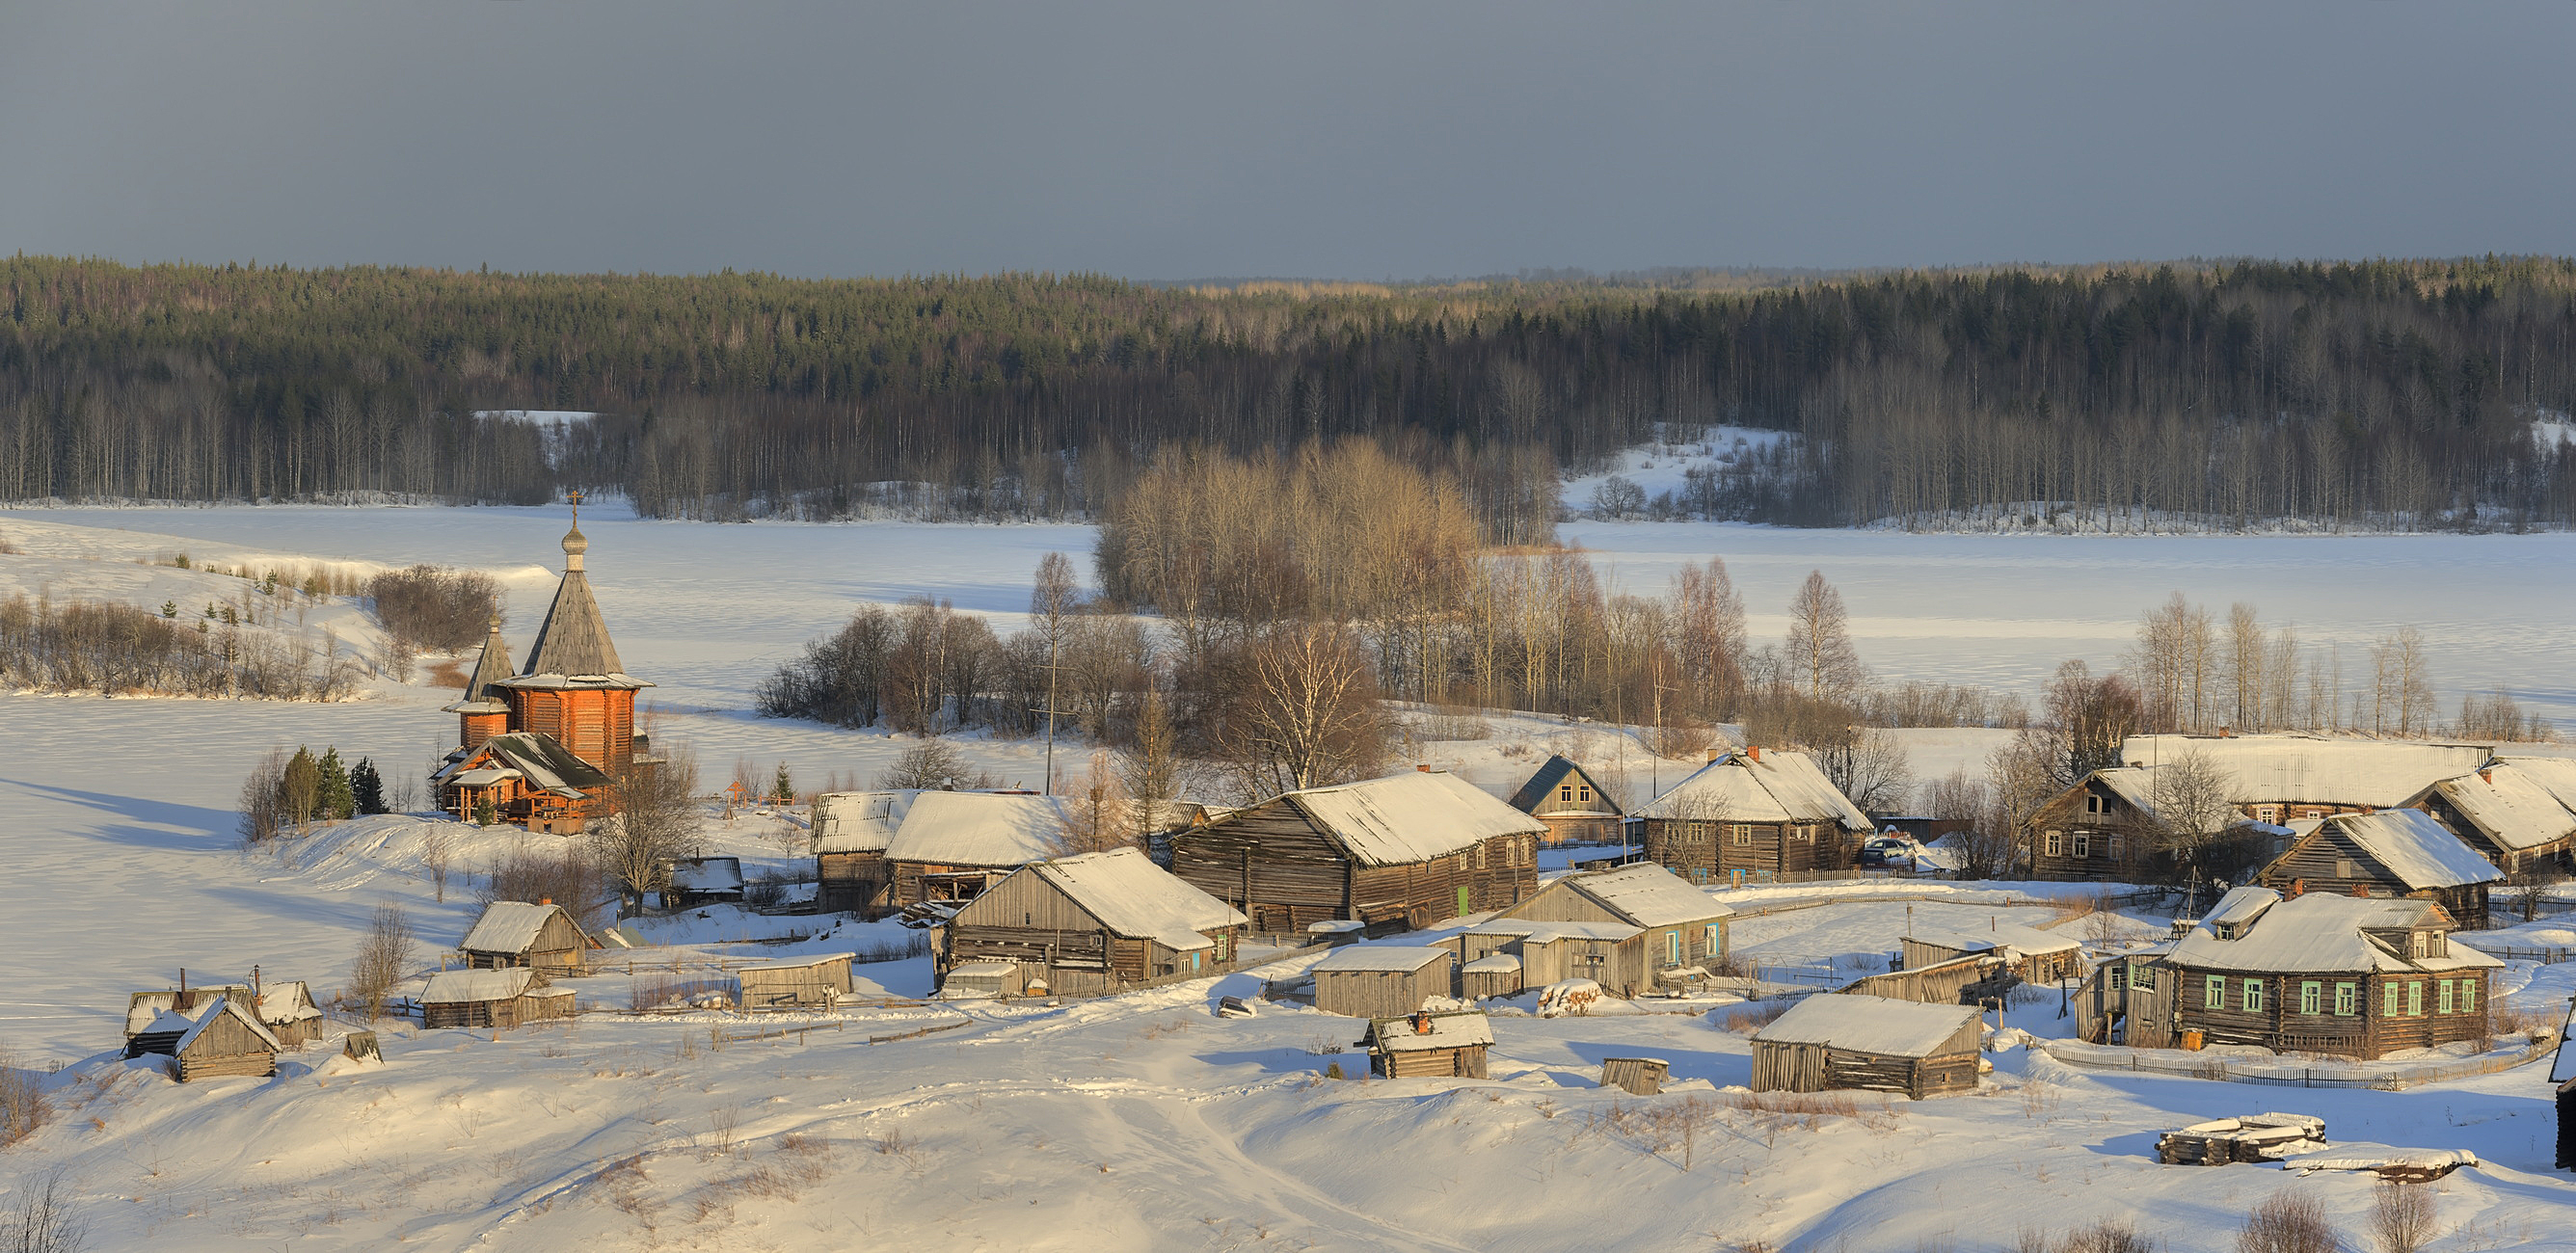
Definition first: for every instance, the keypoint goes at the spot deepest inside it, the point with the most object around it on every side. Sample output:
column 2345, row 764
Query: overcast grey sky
column 1310, row 139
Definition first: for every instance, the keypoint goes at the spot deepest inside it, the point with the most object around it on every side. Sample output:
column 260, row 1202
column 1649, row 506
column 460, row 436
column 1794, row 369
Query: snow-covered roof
column 204, row 1016
column 2510, row 805
column 1406, row 958
column 858, row 822
column 1869, row 1024
column 1998, row 935
column 2321, row 932
column 509, row 927
column 1780, row 787
column 2421, row 852
column 1533, row 931
column 2274, row 769
column 1447, row 1031
column 491, row 670
column 2557, row 774
column 2241, row 905
column 1410, row 817
column 1135, row 898
column 1492, row 963
column 1647, row 895
column 707, row 874
column 286, row 1001
column 454, row 987
column 979, row 829
column 538, row 757
column 800, row 963
column 485, row 776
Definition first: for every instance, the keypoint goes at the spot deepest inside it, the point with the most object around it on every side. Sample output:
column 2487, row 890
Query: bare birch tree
column 1818, row 660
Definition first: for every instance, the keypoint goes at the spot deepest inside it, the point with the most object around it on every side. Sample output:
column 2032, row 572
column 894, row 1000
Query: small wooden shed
column 1612, row 954
column 796, row 982
column 1494, row 974
column 1637, row 1076
column 217, row 1038
column 1420, row 1045
column 492, row 998
column 1869, row 1043
column 516, row 933
column 2036, row 956
column 696, row 881
column 1382, row 980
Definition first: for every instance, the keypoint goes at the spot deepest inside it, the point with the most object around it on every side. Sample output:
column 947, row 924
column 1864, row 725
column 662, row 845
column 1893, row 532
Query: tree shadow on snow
column 198, row 819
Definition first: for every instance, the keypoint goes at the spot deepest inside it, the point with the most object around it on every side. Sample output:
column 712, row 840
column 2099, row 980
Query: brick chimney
column 1754, row 751
column 1423, row 768
column 545, row 900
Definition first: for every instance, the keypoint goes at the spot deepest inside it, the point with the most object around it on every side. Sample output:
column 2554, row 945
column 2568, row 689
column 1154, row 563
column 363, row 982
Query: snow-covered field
column 1137, row 1122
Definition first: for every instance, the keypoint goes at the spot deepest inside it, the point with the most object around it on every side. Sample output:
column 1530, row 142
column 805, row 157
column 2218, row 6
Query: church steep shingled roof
column 572, row 643
column 491, row 670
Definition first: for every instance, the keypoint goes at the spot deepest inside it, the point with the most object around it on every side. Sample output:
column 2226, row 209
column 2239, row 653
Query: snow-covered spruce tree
column 336, row 800
column 366, row 787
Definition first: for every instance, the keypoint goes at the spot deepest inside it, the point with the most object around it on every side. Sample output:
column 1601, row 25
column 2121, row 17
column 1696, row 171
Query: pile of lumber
column 2251, row 1138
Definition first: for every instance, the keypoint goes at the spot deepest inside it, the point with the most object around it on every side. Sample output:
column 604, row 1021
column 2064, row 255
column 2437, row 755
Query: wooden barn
column 285, row 1007
column 695, row 881
column 1972, row 980
column 1682, row 926
column 1751, row 813
column 1869, row 1043
column 1094, row 924
column 1497, row 973
column 2319, row 973
column 2033, row 955
column 1612, row 954
column 1397, row 853
column 492, row 998
column 217, row 1038
column 1576, row 809
column 796, row 982
column 1443, row 1045
column 2514, row 813
column 2094, row 831
column 1382, row 980
column 950, row 846
column 516, row 933
column 2392, row 853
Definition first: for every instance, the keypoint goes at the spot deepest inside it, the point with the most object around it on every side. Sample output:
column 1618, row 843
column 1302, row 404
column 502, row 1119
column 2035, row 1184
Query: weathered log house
column 492, row 998
column 1869, row 1043
column 2514, row 813
column 285, row 1007
column 2319, row 974
column 1623, row 929
column 1759, row 811
column 795, row 982
column 2395, row 853
column 877, row 852
column 1576, row 809
column 1682, row 925
column 1447, row 1045
column 516, row 933
column 1397, row 853
column 2033, row 955
column 1612, row 954
column 695, row 881
column 218, row 1037
column 1382, row 980
column 1092, row 925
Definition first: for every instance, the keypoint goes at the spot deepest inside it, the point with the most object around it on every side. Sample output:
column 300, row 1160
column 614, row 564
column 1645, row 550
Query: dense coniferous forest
column 2384, row 393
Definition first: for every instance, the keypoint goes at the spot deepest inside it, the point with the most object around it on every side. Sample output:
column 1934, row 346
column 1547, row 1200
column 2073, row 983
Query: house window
column 2049, row 844
column 2388, row 1000
column 2442, row 998
column 1565, row 793
column 2415, row 999
column 1741, row 834
column 2214, row 996
column 2254, row 996
column 2346, row 996
column 1806, row 831
column 2421, row 943
column 2267, row 813
column 2083, row 844
column 1699, row 874
column 1583, row 794
column 2142, row 978
column 2092, row 804
column 1711, row 940
column 2469, row 995
column 1673, row 950
column 2312, row 996
column 2345, row 869
column 2111, row 846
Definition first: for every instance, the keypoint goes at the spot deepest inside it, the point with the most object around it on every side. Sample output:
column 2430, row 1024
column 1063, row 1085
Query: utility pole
column 1052, row 668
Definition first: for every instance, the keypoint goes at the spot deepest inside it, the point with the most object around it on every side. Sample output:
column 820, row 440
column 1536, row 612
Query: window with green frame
column 2469, row 995
column 2388, row 1000
column 2215, row 995
column 2254, row 996
column 2442, row 999
column 2415, row 998
column 2312, row 997
column 2347, row 999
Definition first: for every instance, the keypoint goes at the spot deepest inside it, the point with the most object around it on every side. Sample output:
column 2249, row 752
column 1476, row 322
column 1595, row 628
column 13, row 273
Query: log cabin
column 694, row 881
column 1754, row 813
column 516, row 933
column 1382, row 980
column 2319, row 973
column 2514, row 813
column 285, row 1007
column 2033, row 955
column 1871, row 1044
column 1629, row 930
column 795, row 983
column 2392, row 853
column 572, row 703
column 1576, row 809
column 950, row 846
column 851, row 831
column 2100, row 829
column 492, row 998
column 1429, row 1045
column 218, row 1037
column 1397, row 853
column 1092, row 925
column 1612, row 954
column 1683, row 926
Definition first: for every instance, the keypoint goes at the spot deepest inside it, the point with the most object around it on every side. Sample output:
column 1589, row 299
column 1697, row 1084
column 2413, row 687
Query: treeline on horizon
column 2392, row 393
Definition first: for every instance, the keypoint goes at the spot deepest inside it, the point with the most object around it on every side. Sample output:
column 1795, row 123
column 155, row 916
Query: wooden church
column 542, row 747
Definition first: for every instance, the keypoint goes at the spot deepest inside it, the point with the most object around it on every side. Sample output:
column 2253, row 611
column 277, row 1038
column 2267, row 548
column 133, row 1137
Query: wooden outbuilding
column 2515, row 813
column 851, row 831
column 1972, row 980
column 492, row 998
column 1094, row 924
column 1494, row 974
column 1636, row 1076
column 1429, row 1045
column 285, row 1007
column 218, row 1038
column 887, row 851
column 2391, row 853
column 516, row 933
column 695, row 881
column 1397, row 853
column 2033, row 955
column 1612, row 954
column 1382, row 980
column 1758, row 812
column 1576, row 809
column 2349, row 976
column 1869, row 1043
column 1680, row 927
column 796, row 983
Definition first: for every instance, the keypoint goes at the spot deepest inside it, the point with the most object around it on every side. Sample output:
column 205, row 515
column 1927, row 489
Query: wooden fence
column 2284, row 1072
column 2545, row 956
